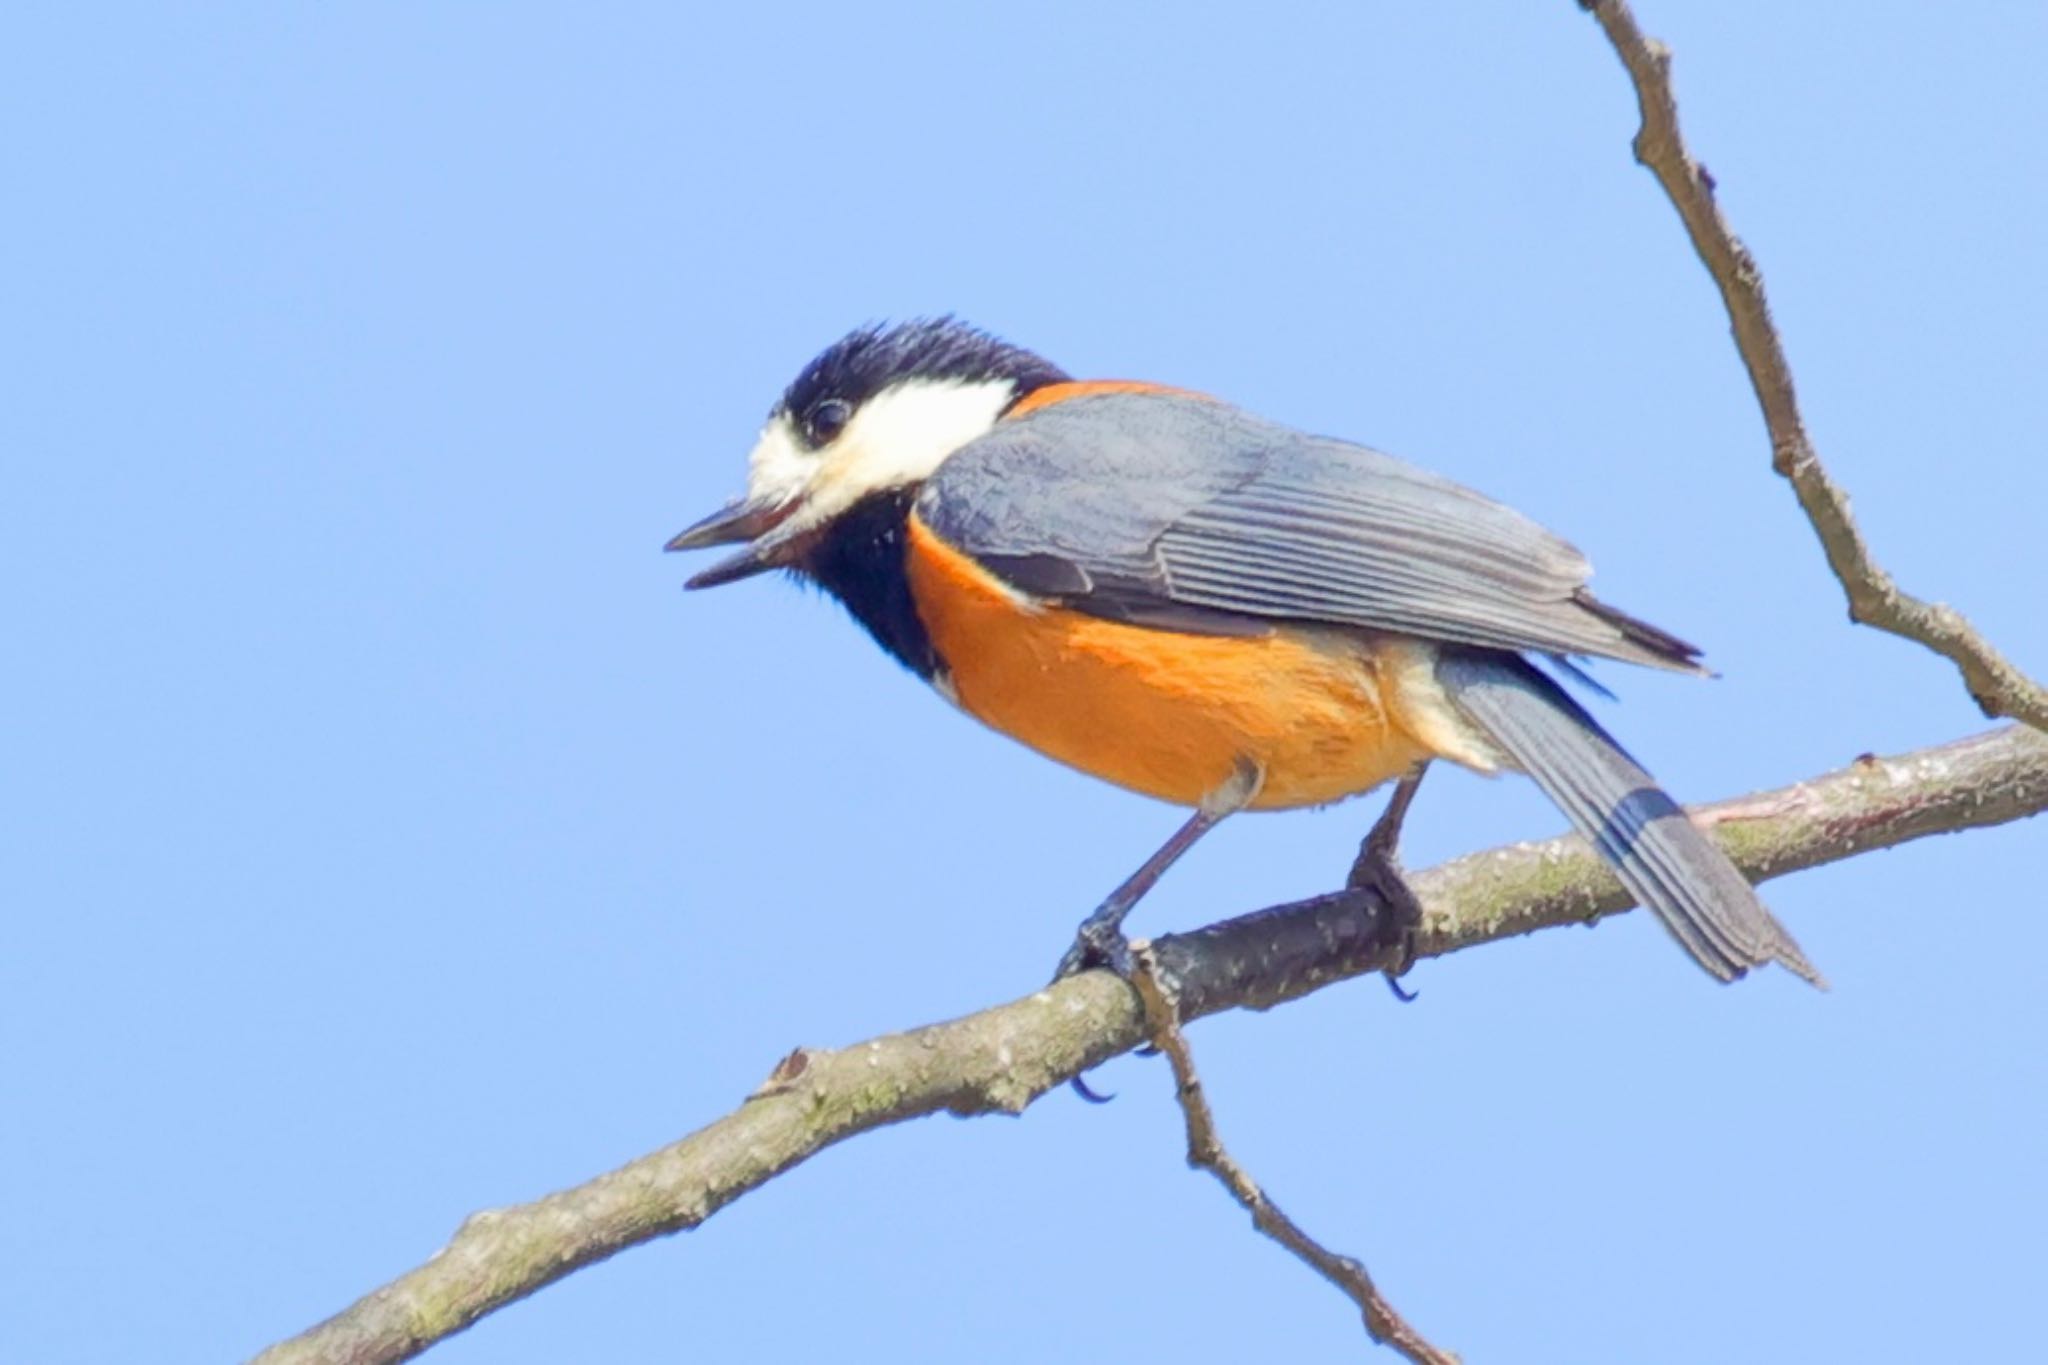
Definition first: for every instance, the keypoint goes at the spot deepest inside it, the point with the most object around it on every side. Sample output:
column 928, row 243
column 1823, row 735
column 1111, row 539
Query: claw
column 1081, row 1088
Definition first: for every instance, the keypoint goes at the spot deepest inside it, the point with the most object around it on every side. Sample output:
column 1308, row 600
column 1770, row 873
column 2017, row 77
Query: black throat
column 860, row 558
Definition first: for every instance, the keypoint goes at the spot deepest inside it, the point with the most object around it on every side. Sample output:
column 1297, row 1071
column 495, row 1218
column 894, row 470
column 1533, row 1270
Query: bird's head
column 876, row 411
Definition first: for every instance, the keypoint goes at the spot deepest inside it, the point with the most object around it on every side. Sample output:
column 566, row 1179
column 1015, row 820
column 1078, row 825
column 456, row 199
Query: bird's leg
column 1377, row 869
column 1100, row 941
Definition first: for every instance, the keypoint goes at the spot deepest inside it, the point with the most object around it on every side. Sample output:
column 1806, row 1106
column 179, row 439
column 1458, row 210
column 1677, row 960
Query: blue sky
column 387, row 837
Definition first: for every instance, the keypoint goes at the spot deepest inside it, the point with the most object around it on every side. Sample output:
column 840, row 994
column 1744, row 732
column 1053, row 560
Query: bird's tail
column 1663, row 859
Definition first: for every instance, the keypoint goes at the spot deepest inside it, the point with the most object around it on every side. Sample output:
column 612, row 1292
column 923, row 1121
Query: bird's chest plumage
column 1160, row 712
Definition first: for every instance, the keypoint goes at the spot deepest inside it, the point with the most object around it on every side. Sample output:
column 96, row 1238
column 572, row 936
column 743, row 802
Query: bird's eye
column 827, row 420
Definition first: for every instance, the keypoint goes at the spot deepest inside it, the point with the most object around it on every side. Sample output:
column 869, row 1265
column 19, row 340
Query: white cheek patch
column 779, row 468
column 898, row 437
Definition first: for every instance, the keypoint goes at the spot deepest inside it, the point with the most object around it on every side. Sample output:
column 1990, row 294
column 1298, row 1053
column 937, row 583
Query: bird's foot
column 1098, row 943
column 1377, row 870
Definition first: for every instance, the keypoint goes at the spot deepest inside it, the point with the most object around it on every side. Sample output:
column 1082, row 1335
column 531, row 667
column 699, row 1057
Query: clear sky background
column 384, row 836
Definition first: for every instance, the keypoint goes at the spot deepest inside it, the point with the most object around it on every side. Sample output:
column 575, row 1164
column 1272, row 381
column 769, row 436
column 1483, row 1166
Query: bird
column 1165, row 591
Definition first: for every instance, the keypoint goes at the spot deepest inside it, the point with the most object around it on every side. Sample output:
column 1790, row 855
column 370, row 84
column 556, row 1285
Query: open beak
column 754, row 521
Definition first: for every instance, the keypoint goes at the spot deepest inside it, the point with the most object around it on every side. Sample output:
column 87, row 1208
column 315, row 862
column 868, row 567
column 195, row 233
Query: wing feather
column 1141, row 506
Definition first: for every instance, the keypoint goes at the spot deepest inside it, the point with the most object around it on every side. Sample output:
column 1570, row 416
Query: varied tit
column 1207, row 607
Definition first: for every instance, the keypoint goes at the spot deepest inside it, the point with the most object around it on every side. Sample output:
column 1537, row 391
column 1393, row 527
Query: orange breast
column 1159, row 712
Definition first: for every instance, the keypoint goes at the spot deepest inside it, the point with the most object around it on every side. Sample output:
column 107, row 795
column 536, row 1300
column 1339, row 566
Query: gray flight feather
column 1172, row 510
column 1663, row 859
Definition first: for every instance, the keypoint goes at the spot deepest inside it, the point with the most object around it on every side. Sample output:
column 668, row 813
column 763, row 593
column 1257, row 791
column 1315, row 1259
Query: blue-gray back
column 1175, row 511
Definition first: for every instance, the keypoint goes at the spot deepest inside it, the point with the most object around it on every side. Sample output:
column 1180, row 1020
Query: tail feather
column 1663, row 859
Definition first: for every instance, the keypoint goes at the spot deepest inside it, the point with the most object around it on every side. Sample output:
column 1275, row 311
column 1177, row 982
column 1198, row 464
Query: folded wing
column 1167, row 509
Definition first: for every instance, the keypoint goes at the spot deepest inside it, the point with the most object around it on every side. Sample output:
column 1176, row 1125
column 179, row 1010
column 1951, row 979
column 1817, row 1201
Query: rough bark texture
column 1001, row 1059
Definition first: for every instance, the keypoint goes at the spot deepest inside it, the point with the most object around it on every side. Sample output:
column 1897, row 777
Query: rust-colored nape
column 1082, row 388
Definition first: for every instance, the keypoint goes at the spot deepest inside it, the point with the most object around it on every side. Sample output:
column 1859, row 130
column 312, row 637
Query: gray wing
column 1171, row 510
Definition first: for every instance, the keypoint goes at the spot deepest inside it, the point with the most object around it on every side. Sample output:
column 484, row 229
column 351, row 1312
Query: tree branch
column 1001, row 1059
column 1875, row 599
column 1207, row 1152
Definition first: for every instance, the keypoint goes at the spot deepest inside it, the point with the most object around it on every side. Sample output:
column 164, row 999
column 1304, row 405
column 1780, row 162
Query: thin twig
column 1001, row 1059
column 1207, row 1152
column 1875, row 599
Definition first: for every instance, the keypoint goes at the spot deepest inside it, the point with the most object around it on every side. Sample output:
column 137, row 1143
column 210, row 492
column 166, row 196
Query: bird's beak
column 754, row 521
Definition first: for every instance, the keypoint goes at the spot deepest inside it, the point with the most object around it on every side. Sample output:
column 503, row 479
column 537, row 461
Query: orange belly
column 1162, row 713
